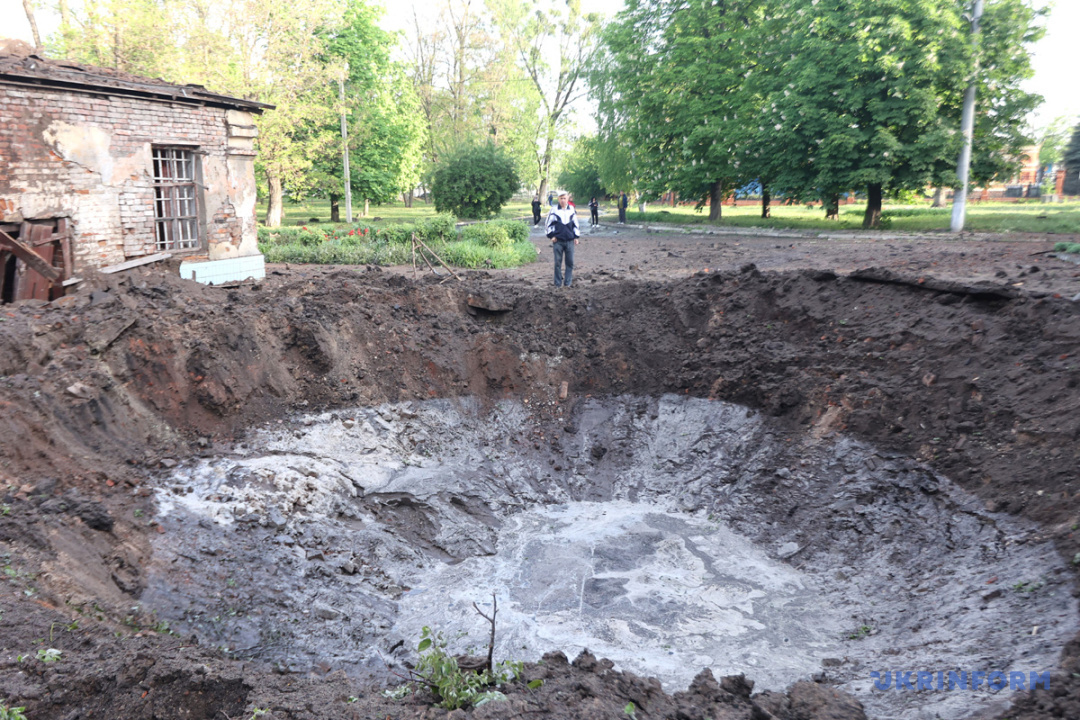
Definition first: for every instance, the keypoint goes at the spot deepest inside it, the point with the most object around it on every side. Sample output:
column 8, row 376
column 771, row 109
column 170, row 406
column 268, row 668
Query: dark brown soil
column 965, row 355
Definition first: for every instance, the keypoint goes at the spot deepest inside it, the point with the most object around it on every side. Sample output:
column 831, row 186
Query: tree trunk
column 872, row 218
column 335, row 211
column 273, row 205
column 367, row 207
column 716, row 200
column 28, row 6
column 939, row 197
column 766, row 212
column 407, row 197
column 545, row 166
column 832, row 206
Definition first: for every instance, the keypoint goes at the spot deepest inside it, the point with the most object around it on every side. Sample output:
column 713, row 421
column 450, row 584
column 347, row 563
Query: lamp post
column 967, row 127
column 345, row 146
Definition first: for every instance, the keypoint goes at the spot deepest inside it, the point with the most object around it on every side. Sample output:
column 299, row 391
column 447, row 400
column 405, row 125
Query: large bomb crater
column 669, row 534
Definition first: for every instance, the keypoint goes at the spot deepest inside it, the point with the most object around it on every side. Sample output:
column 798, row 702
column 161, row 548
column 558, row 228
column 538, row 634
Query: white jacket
column 567, row 215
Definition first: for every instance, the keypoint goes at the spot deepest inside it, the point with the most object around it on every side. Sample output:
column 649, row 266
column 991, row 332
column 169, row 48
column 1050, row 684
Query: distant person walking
column 563, row 231
column 622, row 208
column 594, row 212
column 536, row 210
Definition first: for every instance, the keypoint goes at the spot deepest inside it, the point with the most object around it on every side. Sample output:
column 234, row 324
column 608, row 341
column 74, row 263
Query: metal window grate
column 175, row 208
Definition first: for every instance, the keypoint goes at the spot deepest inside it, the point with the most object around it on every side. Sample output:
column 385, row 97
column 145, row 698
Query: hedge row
column 494, row 244
column 439, row 228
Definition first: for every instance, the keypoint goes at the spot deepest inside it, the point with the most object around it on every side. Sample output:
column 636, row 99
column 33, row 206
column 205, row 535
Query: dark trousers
column 595, row 216
column 622, row 215
column 536, row 216
column 563, row 251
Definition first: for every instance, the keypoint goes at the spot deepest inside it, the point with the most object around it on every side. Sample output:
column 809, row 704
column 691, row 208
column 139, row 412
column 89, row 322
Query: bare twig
column 411, row 677
column 436, row 256
column 491, row 619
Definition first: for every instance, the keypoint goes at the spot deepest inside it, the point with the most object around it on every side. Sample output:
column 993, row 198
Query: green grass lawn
column 984, row 217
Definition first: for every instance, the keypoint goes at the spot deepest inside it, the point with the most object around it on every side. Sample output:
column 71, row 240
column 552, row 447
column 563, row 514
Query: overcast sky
column 1056, row 57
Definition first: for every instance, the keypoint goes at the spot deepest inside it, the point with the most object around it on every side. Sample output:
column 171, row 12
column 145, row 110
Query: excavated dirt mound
column 108, row 393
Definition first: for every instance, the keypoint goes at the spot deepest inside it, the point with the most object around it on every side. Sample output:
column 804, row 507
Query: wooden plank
column 63, row 231
column 145, row 260
column 25, row 253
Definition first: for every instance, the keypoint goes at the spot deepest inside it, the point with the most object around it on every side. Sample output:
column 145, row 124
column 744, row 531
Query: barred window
column 175, row 201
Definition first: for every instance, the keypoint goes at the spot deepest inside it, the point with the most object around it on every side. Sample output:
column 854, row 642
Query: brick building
column 99, row 167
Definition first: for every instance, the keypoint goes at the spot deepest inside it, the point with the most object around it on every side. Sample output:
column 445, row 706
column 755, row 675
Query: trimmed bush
column 475, row 181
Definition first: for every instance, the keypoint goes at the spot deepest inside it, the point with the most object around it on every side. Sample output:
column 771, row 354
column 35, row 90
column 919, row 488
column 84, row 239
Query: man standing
column 536, row 210
column 563, row 231
column 622, row 208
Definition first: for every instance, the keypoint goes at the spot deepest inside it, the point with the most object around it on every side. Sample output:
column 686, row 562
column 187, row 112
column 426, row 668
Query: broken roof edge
column 34, row 70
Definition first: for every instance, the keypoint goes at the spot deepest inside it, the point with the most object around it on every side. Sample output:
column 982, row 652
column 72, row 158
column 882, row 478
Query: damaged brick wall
column 87, row 156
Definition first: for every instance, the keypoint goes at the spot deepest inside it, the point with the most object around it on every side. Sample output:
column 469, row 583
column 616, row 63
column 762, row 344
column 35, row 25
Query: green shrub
column 396, row 234
column 475, row 181
column 455, row 688
column 471, row 254
column 440, row 228
column 488, row 234
column 1067, row 247
column 516, row 229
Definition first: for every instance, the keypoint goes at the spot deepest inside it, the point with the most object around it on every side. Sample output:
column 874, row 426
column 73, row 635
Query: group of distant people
column 594, row 207
column 563, row 230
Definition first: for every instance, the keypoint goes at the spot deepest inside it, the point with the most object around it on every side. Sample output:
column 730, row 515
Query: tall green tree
column 811, row 97
column 861, row 94
column 554, row 46
column 580, row 175
column 670, row 87
column 386, row 132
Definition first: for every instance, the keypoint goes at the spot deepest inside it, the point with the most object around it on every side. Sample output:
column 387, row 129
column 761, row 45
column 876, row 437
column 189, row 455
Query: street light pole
column 345, row 148
column 967, row 127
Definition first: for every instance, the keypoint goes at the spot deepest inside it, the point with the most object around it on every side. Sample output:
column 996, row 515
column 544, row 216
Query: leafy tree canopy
column 812, row 97
column 581, row 174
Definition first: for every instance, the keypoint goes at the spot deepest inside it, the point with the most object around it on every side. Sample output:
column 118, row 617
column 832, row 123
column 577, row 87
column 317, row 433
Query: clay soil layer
column 963, row 356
